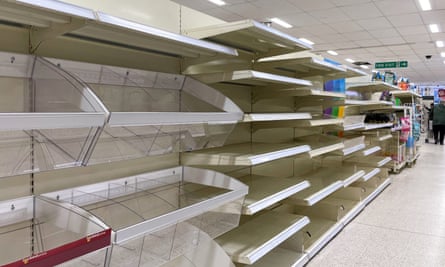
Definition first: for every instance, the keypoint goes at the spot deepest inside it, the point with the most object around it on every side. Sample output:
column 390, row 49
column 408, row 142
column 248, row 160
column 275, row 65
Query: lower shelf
column 255, row 238
column 370, row 161
column 319, row 232
column 282, row 257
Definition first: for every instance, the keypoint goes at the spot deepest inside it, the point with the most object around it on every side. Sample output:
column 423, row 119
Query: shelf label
column 391, row 64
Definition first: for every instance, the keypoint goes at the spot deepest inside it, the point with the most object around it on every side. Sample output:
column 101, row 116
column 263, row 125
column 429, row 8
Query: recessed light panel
column 281, row 22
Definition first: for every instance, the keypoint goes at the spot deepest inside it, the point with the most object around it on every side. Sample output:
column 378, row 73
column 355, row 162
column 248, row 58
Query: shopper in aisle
column 439, row 118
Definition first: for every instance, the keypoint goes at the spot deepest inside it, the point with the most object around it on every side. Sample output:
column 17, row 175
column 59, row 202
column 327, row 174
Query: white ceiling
column 363, row 30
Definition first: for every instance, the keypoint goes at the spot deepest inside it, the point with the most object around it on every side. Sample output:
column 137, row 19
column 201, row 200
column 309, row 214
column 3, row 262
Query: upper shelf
column 310, row 94
column 149, row 202
column 250, row 36
column 252, row 78
column 321, row 144
column 371, row 87
column 255, row 238
column 370, row 161
column 248, row 154
column 56, row 19
column 297, row 123
column 404, row 94
column 270, row 117
column 136, row 97
column 300, row 67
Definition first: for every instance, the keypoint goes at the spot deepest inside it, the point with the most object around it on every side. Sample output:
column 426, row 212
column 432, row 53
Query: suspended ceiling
column 362, row 30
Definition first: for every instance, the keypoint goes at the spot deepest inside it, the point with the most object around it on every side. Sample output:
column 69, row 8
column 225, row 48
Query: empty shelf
column 370, row 150
column 370, row 173
column 252, row 78
column 97, row 27
column 353, row 72
column 372, row 87
column 299, row 67
column 353, row 102
column 150, row 202
column 247, row 154
column 351, row 145
column 309, row 94
column 297, row 123
column 405, row 94
column 261, row 117
column 266, row 191
column 370, row 161
column 56, row 238
column 323, row 183
column 252, row 240
column 282, row 257
column 321, row 144
column 251, row 36
column 372, row 126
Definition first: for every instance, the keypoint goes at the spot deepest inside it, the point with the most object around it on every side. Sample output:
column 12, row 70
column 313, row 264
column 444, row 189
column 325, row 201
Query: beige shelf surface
column 370, row 161
column 252, row 78
column 265, row 191
column 298, row 123
column 353, row 102
column 321, row 144
column 371, row 87
column 282, row 257
column 247, row 154
column 251, row 36
column 404, row 94
column 349, row 208
column 377, row 191
column 300, row 67
column 324, row 181
column 373, row 126
column 254, row 239
column 309, row 93
column 322, row 231
column 370, row 150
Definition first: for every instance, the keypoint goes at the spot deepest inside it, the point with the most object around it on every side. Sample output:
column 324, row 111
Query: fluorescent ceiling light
column 439, row 43
column 442, row 54
column 425, row 5
column 281, row 22
column 332, row 53
column 350, row 60
column 218, row 2
column 364, row 67
column 434, row 28
column 306, row 41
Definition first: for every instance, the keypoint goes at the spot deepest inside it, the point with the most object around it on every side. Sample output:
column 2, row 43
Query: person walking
column 439, row 118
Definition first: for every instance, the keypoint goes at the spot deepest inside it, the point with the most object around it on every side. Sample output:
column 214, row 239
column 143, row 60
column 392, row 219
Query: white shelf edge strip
column 255, row 255
column 272, row 199
column 350, row 150
column 108, row 19
column 385, row 137
column 177, row 118
column 58, row 7
column 371, row 126
column 29, row 121
column 353, row 178
column 355, row 126
column 371, row 150
column 252, row 117
column 326, row 149
column 371, row 174
column 266, row 157
column 352, row 213
column 174, row 217
column 325, row 192
column 384, row 161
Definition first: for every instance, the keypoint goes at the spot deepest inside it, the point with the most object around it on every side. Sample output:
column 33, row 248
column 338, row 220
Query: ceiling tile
column 396, row 7
column 417, row 38
column 301, row 20
column 437, row 4
column 433, row 16
column 368, row 42
column 312, row 5
column 322, row 29
column 361, row 35
column 392, row 41
column 223, row 14
column 346, row 26
column 362, row 11
column 406, row 20
column 375, row 23
column 349, row 2
column 385, row 33
column 271, row 9
column 330, row 15
column 412, row 30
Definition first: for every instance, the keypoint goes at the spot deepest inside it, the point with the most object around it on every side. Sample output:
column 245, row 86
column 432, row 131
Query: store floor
column 403, row 226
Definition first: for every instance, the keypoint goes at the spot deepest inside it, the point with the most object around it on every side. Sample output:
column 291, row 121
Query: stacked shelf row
column 254, row 149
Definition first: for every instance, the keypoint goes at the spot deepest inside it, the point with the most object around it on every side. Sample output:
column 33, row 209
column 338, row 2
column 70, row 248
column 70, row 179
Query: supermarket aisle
column 404, row 226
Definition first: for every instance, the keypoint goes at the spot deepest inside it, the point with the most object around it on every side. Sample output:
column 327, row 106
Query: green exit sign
column 391, row 64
